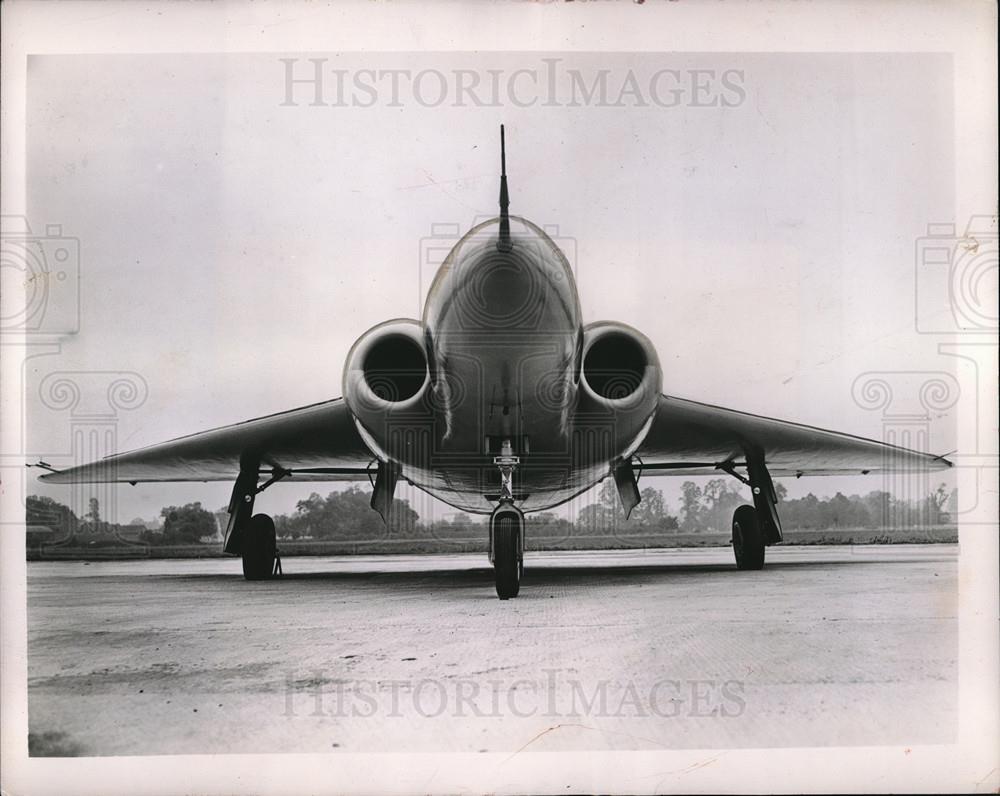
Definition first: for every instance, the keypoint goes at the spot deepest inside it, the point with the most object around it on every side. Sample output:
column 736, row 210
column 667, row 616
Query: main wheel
column 507, row 556
column 259, row 548
column 748, row 539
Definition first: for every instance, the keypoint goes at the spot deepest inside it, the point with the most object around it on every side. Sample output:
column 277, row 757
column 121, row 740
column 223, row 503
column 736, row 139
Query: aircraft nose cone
column 501, row 289
column 527, row 288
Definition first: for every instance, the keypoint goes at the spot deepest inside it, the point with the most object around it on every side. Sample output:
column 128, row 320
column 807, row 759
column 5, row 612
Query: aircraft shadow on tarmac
column 562, row 575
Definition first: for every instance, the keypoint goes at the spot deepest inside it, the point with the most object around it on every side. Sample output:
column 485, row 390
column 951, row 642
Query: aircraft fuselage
column 505, row 348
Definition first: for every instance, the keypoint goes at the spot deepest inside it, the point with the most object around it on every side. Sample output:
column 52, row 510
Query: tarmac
column 622, row 650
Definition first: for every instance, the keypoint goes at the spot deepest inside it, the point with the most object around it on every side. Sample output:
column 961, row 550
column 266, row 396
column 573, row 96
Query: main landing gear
column 507, row 529
column 756, row 526
column 748, row 541
column 249, row 535
column 260, row 548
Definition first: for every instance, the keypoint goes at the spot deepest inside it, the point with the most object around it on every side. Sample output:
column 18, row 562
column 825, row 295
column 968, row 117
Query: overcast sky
column 234, row 246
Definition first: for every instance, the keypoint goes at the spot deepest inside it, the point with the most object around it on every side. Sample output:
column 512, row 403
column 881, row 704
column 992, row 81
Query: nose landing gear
column 507, row 529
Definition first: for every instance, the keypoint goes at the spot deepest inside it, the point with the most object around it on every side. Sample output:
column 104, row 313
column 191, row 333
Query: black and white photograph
column 499, row 397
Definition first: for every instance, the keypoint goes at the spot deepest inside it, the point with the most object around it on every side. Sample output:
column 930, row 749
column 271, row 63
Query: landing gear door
column 765, row 499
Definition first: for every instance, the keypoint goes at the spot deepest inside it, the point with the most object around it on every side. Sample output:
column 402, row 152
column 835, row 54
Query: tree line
column 345, row 515
column 181, row 524
column 711, row 508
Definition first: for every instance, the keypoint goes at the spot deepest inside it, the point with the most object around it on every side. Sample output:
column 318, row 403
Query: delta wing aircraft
column 501, row 401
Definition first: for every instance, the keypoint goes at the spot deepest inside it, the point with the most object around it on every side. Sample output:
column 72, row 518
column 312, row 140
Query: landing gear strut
column 756, row 526
column 249, row 535
column 507, row 529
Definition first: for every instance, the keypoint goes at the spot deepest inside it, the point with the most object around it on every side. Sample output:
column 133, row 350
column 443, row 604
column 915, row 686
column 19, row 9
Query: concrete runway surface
column 609, row 650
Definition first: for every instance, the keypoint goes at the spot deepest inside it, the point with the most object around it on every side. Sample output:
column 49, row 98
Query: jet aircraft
column 501, row 401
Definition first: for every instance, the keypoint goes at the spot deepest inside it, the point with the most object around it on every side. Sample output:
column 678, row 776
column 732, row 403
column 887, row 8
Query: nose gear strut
column 506, row 461
column 507, row 528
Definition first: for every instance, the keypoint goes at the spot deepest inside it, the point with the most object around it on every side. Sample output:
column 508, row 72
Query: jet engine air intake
column 620, row 386
column 386, row 368
column 386, row 387
column 615, row 365
column 620, row 365
column 394, row 367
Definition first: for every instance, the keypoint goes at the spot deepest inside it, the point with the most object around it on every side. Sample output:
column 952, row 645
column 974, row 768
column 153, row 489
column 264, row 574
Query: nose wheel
column 507, row 549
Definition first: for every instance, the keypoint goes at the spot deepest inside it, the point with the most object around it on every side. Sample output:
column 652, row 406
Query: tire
column 259, row 548
column 748, row 539
column 506, row 556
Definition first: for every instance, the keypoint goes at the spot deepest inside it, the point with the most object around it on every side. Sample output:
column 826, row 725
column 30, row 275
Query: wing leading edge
column 318, row 442
column 692, row 438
